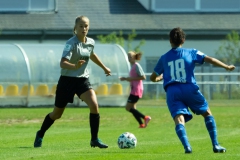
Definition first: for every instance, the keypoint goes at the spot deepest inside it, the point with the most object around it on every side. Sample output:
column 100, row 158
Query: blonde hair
column 78, row 19
column 136, row 55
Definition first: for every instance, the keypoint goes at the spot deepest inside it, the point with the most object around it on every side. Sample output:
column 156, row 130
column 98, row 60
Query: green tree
column 112, row 38
column 120, row 40
column 229, row 51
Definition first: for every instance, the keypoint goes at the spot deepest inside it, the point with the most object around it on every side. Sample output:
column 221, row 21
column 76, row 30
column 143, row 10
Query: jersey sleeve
column 198, row 56
column 67, row 51
column 158, row 69
column 139, row 70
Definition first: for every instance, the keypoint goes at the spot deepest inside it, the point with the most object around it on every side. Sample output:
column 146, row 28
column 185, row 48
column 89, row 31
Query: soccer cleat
column 98, row 143
column 219, row 149
column 146, row 120
column 38, row 141
column 188, row 150
column 142, row 126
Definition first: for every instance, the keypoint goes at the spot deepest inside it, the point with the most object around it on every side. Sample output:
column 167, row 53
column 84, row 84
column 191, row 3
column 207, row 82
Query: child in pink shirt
column 135, row 78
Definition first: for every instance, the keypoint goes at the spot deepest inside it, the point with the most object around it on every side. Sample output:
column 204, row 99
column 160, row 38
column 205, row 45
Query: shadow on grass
column 25, row 147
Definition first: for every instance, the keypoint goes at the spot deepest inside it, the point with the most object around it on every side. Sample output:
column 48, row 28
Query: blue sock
column 212, row 129
column 182, row 135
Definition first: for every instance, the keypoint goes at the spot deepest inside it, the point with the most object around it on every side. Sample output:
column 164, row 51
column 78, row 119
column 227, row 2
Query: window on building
column 27, row 6
column 191, row 5
column 150, row 64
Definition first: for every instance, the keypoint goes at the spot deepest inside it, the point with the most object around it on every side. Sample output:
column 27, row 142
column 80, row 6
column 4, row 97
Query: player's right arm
column 218, row 63
column 157, row 74
column 156, row 78
column 66, row 56
column 64, row 63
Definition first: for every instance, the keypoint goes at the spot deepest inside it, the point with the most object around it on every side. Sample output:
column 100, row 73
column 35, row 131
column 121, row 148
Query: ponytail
column 138, row 56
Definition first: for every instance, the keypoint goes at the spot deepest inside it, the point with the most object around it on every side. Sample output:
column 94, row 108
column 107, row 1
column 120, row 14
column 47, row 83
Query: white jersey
column 74, row 51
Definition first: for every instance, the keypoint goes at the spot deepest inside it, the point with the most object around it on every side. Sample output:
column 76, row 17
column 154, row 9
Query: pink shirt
column 137, row 85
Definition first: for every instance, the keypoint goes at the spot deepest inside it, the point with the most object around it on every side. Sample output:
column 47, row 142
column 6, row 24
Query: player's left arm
column 140, row 73
column 97, row 61
column 218, row 63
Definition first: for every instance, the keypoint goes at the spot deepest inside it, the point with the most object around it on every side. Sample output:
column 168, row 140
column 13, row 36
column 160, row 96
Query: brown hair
column 78, row 19
column 177, row 36
column 136, row 55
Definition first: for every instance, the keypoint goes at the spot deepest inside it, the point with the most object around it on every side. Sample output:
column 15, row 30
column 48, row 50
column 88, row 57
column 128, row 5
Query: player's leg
column 64, row 94
column 47, row 123
column 131, row 106
column 180, row 113
column 199, row 105
column 89, row 97
column 181, row 132
column 212, row 130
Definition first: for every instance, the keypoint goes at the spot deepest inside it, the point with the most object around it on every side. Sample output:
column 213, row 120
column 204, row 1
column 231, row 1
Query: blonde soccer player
column 136, row 76
column 74, row 79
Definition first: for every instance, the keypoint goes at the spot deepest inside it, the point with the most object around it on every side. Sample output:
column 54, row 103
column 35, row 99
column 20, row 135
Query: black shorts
column 67, row 87
column 132, row 99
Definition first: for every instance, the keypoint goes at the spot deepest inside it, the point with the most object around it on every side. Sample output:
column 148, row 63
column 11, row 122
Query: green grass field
column 68, row 138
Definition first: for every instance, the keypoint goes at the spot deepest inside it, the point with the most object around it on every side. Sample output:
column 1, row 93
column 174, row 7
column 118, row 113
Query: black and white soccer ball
column 127, row 140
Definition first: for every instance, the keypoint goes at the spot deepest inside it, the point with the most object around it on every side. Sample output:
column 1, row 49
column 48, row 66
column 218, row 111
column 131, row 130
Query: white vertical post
column 209, row 91
column 28, row 69
column 197, row 5
column 157, row 91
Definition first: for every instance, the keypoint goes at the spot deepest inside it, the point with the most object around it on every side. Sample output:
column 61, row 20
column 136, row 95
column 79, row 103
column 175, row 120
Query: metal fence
column 220, row 85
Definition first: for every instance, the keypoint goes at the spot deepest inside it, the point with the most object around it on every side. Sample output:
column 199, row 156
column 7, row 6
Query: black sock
column 94, row 120
column 137, row 115
column 45, row 126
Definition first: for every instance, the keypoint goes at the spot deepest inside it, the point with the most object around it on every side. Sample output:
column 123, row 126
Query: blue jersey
column 177, row 65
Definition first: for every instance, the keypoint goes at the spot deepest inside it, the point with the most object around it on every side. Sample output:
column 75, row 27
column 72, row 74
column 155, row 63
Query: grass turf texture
column 69, row 137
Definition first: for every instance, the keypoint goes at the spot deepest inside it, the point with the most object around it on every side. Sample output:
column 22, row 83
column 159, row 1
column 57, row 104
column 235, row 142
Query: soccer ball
column 127, row 140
